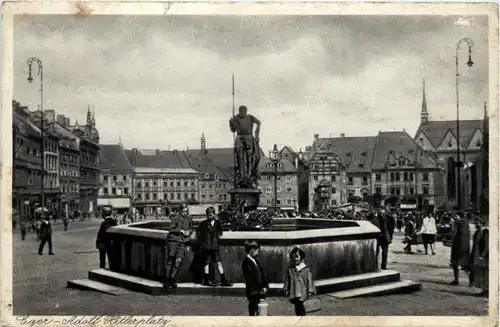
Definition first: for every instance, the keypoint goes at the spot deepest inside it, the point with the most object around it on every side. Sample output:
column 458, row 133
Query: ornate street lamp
column 469, row 43
column 275, row 157
column 42, row 148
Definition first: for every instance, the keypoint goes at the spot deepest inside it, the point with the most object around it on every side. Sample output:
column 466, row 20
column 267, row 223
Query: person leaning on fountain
column 181, row 227
column 209, row 232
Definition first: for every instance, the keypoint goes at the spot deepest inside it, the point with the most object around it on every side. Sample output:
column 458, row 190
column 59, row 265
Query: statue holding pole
column 246, row 148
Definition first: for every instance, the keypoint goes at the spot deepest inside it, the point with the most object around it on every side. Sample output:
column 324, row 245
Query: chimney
column 158, row 152
column 174, row 152
column 66, row 122
column 60, row 119
column 134, row 151
column 316, row 137
column 342, row 135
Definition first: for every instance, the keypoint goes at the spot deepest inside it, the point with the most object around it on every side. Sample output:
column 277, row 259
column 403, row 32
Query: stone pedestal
column 249, row 195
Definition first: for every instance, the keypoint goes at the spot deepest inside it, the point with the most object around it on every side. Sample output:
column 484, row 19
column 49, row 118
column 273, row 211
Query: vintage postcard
column 251, row 164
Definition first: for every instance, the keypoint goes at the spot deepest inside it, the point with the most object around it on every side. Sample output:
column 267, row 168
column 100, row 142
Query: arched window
column 451, row 179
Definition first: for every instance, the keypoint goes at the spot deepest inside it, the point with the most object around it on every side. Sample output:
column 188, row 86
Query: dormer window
column 348, row 154
column 206, row 175
column 280, row 164
column 216, row 176
column 269, row 165
column 478, row 143
column 363, row 154
column 200, row 166
column 450, row 144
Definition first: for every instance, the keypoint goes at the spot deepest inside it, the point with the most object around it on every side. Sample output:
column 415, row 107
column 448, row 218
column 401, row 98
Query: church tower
column 203, row 145
column 89, row 117
column 424, row 114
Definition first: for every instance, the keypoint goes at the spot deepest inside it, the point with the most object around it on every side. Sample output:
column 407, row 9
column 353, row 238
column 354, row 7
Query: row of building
column 70, row 162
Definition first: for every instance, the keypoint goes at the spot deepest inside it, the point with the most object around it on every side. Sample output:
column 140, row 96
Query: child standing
column 299, row 286
column 255, row 279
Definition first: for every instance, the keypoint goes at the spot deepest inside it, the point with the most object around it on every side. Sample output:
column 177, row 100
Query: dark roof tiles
column 436, row 130
column 112, row 157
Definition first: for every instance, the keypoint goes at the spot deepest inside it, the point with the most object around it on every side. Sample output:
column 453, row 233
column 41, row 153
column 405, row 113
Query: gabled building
column 439, row 138
column 403, row 172
column 286, row 183
column 116, row 178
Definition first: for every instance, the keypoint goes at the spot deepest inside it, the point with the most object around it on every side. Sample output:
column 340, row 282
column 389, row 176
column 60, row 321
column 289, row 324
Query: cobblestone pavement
column 40, row 286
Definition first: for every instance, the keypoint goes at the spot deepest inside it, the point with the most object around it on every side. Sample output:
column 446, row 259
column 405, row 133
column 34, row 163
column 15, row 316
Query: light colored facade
column 287, row 185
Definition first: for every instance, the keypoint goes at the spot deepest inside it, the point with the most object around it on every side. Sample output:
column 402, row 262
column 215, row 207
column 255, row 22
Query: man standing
column 460, row 247
column 103, row 243
column 45, row 236
column 181, row 227
column 385, row 237
column 209, row 232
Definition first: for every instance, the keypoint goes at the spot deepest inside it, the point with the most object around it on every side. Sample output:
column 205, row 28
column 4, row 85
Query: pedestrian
column 298, row 285
column 209, row 233
column 24, row 228
column 409, row 234
column 66, row 223
column 181, row 227
column 103, row 242
column 384, row 238
column 460, row 247
column 429, row 231
column 38, row 225
column 479, row 274
column 256, row 285
column 45, row 236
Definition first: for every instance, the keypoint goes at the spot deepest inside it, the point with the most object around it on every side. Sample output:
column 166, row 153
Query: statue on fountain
column 246, row 148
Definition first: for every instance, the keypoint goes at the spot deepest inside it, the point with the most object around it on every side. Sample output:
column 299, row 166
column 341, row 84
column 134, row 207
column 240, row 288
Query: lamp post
column 42, row 147
column 469, row 43
column 275, row 157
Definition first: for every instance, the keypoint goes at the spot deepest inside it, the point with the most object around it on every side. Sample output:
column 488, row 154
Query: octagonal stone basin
column 333, row 248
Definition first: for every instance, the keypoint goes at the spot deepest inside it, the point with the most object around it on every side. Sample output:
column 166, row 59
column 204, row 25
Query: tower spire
column 203, row 145
column 89, row 117
column 424, row 114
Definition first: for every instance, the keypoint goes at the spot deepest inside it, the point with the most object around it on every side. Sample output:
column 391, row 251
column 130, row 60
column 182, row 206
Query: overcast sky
column 160, row 81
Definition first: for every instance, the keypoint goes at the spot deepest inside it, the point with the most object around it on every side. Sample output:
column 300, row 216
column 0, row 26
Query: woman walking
column 460, row 247
column 429, row 231
column 479, row 276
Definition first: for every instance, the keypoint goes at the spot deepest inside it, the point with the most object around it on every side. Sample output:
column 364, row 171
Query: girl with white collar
column 299, row 286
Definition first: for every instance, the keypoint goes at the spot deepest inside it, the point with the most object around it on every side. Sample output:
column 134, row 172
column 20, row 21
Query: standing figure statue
column 246, row 147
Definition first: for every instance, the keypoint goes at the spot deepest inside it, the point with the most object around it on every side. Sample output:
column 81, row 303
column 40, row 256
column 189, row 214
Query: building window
column 365, row 180
column 203, row 197
column 185, row 196
column 405, row 176
column 147, row 184
column 278, row 201
column 268, row 178
column 115, row 178
column 425, row 176
column 154, row 183
column 289, row 189
column 393, row 190
column 178, row 196
column 315, row 178
column 139, row 196
column 411, row 190
column 425, row 190
column 155, row 196
column 105, row 178
column 378, row 190
column 164, row 184
column 268, row 201
column 113, row 191
column 350, row 181
column 165, row 196
column 124, row 177
column 171, row 196
column 171, row 184
column 378, row 177
column 185, row 184
column 334, row 178
column 178, row 184
column 192, row 183
column 105, row 190
column 392, row 178
column 334, row 190
column 125, row 190
column 193, row 196
column 334, row 202
column 147, row 196
column 279, row 189
column 288, row 201
column 410, row 175
column 426, row 201
column 268, row 190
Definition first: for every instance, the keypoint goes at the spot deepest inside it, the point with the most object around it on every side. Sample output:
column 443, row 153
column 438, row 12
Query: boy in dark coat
column 209, row 233
column 255, row 279
column 103, row 242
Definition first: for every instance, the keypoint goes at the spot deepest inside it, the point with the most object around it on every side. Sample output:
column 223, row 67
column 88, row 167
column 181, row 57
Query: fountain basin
column 333, row 248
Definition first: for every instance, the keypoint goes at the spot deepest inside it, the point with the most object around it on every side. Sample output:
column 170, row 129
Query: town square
column 251, row 166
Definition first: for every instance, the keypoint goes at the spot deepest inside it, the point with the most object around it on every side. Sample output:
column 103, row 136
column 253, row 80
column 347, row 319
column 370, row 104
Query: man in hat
column 103, row 242
column 45, row 236
column 181, row 227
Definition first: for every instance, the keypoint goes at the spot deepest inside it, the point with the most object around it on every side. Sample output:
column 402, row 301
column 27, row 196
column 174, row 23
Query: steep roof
column 266, row 166
column 403, row 145
column 112, row 157
column 205, row 166
column 158, row 159
column 221, row 157
column 436, row 130
column 356, row 153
